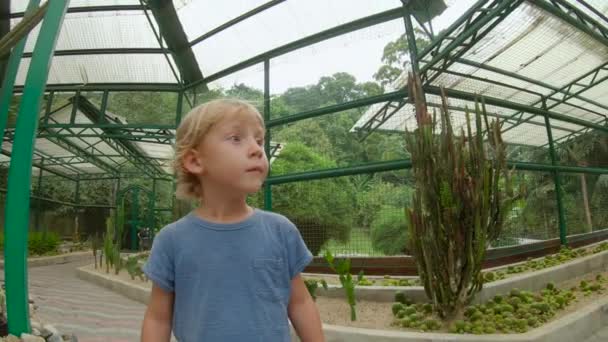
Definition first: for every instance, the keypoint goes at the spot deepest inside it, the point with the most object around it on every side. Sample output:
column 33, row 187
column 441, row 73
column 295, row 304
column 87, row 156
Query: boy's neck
column 224, row 211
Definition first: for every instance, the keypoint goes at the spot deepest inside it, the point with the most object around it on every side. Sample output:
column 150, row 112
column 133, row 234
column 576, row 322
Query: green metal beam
column 172, row 31
column 71, row 147
column 336, row 108
column 87, row 9
column 21, row 30
column 129, row 150
column 593, row 9
column 515, row 106
column 68, row 87
column 452, row 43
column 402, row 164
column 236, row 20
column 108, row 51
column 38, row 165
column 557, row 180
column 531, row 81
column 8, row 82
column 5, row 28
column 306, row 41
column 411, row 37
column 18, row 196
column 581, row 84
column 575, row 17
column 267, row 113
column 477, row 26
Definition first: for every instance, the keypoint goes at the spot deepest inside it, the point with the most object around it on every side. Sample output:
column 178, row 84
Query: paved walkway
column 92, row 313
column 600, row 336
column 95, row 314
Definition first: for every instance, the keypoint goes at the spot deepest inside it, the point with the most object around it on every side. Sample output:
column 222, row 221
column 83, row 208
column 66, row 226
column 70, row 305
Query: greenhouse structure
column 92, row 93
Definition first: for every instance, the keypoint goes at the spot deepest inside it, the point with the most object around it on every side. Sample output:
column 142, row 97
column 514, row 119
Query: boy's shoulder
column 276, row 220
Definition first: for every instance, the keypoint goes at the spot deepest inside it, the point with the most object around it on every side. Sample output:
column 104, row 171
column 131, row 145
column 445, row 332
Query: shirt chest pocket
column 270, row 278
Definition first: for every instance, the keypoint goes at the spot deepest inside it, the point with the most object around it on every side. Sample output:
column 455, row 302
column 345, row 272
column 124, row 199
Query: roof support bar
column 575, row 17
column 531, row 81
column 577, row 86
column 172, row 31
column 354, row 25
column 127, row 149
column 236, row 20
column 470, row 28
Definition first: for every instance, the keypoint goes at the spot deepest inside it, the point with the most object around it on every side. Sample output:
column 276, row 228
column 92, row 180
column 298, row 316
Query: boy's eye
column 260, row 142
column 235, row 138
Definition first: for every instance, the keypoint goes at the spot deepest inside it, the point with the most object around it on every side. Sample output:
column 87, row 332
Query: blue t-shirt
column 231, row 282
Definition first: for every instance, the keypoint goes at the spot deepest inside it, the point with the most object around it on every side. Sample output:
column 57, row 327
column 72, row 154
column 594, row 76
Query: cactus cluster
column 413, row 316
column 564, row 255
column 388, row 281
column 313, row 284
column 463, row 193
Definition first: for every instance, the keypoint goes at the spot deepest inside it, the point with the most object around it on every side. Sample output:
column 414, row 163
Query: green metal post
column 134, row 220
column 411, row 37
column 152, row 206
column 18, row 196
column 557, row 180
column 38, row 193
column 6, row 92
column 180, row 104
column 267, row 189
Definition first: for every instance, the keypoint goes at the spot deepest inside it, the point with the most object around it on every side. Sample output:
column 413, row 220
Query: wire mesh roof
column 529, row 53
column 541, row 56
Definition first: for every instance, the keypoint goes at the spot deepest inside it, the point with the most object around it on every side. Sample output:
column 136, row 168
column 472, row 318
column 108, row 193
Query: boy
column 227, row 272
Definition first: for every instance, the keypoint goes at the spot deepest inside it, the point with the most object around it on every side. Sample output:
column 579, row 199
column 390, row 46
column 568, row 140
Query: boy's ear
column 193, row 163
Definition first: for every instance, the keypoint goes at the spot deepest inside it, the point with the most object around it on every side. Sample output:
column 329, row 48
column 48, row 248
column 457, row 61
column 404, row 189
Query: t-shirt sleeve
column 298, row 254
column 159, row 267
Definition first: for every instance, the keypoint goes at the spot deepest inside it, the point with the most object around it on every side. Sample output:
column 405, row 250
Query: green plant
column 2, row 241
column 389, row 231
column 95, row 243
column 108, row 243
column 313, row 284
column 41, row 243
column 133, row 268
column 342, row 268
column 463, row 194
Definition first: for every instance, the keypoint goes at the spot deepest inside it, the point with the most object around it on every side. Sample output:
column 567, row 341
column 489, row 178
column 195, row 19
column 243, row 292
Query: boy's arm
column 303, row 313
column 158, row 318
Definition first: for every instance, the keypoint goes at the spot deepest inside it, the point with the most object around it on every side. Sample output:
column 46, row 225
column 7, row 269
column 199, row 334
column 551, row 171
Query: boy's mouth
column 255, row 169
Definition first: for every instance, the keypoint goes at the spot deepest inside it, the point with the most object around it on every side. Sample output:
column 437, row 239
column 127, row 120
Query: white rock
column 11, row 338
column 31, row 338
column 36, row 332
column 36, row 325
column 51, row 328
column 54, row 338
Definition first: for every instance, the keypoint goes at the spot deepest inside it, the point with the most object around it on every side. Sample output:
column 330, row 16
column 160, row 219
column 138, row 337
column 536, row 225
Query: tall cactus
column 463, row 193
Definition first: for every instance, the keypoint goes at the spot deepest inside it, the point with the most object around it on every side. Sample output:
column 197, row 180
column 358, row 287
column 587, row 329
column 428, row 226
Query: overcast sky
column 358, row 53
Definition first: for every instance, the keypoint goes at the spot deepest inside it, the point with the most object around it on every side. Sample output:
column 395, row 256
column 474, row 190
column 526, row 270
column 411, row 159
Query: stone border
column 133, row 291
column 575, row 326
column 530, row 281
column 57, row 259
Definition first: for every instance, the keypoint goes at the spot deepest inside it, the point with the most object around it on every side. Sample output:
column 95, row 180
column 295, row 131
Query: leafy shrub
column 321, row 210
column 41, row 243
column 389, row 231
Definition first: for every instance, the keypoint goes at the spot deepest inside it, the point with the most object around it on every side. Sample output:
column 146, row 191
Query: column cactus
column 463, row 193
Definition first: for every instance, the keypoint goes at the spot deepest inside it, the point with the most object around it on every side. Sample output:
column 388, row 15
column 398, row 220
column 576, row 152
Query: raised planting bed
column 63, row 258
column 577, row 263
column 569, row 311
column 566, row 311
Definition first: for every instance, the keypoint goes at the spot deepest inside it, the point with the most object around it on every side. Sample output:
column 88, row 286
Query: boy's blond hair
column 190, row 134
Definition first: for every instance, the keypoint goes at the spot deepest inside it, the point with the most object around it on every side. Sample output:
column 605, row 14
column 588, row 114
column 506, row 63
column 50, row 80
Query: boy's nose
column 256, row 150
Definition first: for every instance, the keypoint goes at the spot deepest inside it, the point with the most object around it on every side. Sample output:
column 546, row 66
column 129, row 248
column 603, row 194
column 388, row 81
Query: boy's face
column 231, row 156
